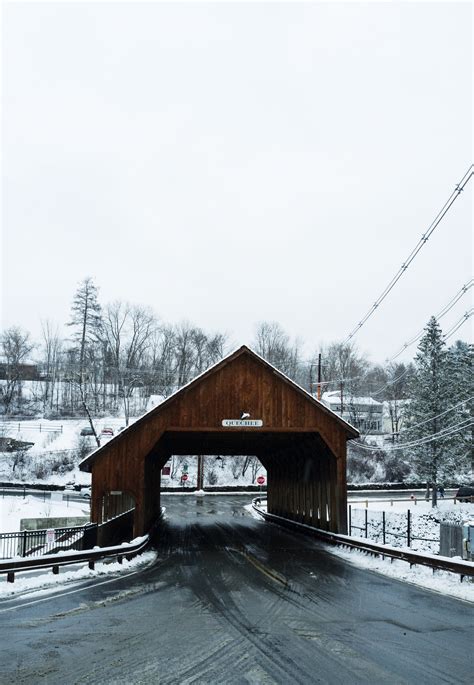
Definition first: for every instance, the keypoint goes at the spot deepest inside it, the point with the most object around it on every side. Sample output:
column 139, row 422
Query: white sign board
column 242, row 423
column 50, row 536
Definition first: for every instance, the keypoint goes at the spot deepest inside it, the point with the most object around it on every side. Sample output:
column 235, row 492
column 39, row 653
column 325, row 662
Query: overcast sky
column 237, row 162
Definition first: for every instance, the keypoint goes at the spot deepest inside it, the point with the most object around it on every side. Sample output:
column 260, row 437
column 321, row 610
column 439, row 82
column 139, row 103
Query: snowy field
column 52, row 439
column 425, row 521
column 13, row 509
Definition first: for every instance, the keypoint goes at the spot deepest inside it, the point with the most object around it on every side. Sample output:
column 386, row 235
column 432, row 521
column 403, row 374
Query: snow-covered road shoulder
column 444, row 582
column 33, row 584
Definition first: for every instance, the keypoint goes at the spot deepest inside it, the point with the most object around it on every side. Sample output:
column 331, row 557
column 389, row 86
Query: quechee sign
column 242, row 423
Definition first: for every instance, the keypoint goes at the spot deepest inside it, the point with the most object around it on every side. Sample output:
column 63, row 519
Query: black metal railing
column 34, row 543
column 378, row 528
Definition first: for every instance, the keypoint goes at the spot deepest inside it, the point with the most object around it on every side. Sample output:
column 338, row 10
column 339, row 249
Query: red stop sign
column 184, row 476
column 261, row 480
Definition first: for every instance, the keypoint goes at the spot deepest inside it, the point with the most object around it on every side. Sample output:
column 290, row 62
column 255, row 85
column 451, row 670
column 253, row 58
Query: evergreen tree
column 437, row 453
column 461, row 387
column 86, row 318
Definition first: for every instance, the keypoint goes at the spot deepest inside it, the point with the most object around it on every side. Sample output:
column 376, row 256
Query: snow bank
column 36, row 585
column 441, row 581
column 13, row 509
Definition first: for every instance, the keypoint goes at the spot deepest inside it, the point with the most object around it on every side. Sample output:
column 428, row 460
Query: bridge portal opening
column 301, row 470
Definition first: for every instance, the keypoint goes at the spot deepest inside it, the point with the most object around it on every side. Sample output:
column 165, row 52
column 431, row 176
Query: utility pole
column 319, row 376
column 200, row 472
column 342, row 398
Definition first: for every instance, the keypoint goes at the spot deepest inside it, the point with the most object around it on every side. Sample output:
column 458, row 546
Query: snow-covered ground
column 13, row 509
column 425, row 521
column 52, row 438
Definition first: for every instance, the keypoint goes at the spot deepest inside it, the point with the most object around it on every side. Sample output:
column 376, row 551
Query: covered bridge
column 300, row 442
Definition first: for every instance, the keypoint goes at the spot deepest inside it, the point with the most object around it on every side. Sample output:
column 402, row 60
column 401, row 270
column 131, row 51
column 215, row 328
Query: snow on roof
column 154, row 401
column 334, row 397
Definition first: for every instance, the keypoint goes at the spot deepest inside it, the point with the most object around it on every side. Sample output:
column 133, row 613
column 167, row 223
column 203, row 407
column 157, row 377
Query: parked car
column 107, row 431
column 465, row 494
column 86, row 493
column 87, row 430
column 70, row 486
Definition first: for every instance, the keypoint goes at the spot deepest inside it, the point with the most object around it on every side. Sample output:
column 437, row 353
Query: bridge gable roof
column 241, row 382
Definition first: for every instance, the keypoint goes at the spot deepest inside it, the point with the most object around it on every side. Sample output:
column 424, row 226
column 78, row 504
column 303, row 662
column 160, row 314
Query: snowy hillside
column 58, row 448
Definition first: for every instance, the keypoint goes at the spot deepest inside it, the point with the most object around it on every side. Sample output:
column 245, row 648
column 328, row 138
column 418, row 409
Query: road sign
column 50, row 536
column 261, row 480
column 184, row 476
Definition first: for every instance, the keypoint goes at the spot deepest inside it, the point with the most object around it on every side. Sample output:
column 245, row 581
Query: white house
column 364, row 413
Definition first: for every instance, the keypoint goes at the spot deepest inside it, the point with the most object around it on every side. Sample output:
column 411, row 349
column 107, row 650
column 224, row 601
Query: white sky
column 231, row 163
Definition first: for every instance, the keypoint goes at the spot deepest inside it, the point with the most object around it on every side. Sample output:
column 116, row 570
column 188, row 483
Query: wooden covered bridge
column 300, row 442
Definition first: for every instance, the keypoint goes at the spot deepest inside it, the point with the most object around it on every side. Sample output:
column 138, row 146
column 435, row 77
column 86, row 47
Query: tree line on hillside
column 119, row 354
column 119, row 351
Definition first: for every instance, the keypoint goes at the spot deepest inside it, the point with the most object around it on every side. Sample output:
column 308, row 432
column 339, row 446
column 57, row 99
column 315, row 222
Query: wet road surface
column 235, row 600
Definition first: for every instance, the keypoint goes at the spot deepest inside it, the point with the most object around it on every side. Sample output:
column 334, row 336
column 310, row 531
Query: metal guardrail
column 412, row 500
column 54, row 561
column 462, row 568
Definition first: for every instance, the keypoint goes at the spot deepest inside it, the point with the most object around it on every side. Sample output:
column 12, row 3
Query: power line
column 457, row 325
column 437, row 416
column 423, row 240
column 435, row 436
column 439, row 316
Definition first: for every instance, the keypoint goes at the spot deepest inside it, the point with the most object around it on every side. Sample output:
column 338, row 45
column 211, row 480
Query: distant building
column 27, row 371
column 364, row 413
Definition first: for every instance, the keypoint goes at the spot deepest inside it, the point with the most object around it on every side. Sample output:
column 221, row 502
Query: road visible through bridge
column 232, row 599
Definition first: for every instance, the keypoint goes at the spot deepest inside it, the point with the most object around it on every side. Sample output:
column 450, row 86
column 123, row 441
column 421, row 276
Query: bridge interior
column 301, row 470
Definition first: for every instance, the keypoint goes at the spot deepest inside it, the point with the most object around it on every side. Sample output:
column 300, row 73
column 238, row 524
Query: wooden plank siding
column 302, row 444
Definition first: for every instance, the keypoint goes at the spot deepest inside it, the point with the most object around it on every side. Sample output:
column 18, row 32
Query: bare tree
column 15, row 345
column 399, row 377
column 255, row 467
column 341, row 362
column 185, row 352
column 273, row 344
column 52, row 346
column 128, row 332
column 162, row 361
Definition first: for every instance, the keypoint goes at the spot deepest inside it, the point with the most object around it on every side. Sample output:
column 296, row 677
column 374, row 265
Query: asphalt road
column 235, row 600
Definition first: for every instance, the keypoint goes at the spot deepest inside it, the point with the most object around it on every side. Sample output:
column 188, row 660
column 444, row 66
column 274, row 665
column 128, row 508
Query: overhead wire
column 422, row 241
column 437, row 416
column 459, row 323
column 435, row 436
column 438, row 316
